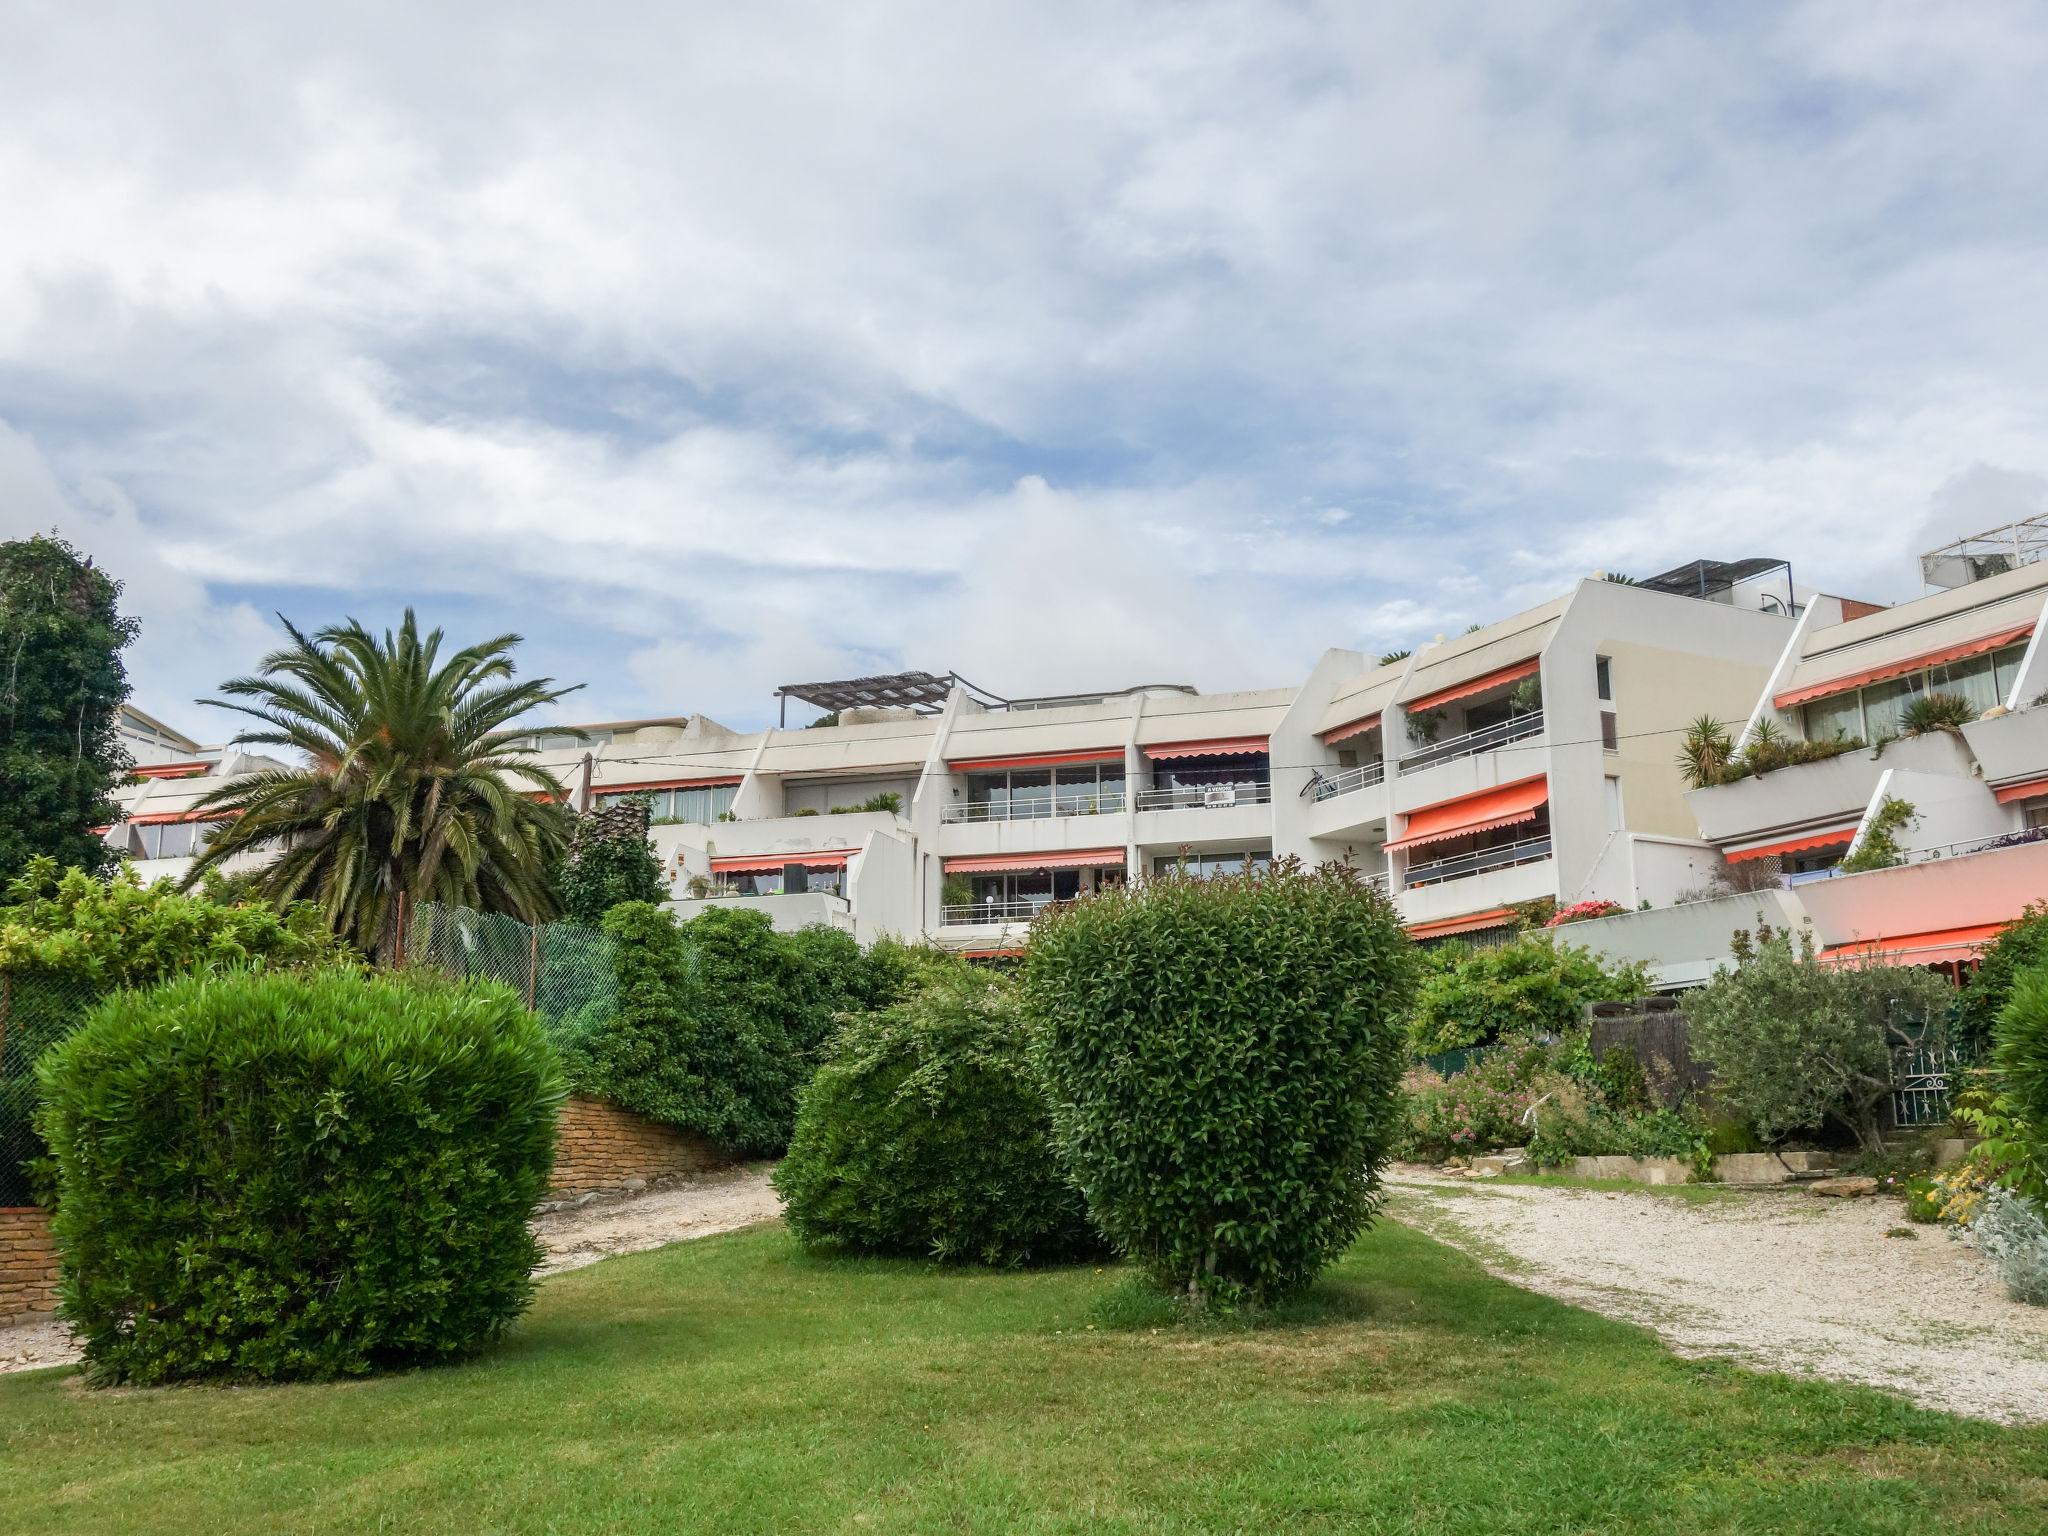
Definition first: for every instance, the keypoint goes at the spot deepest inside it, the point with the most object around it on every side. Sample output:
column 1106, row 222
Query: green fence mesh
column 563, row 970
column 37, row 1009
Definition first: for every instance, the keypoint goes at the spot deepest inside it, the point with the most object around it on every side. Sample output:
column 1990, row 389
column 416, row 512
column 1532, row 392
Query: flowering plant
column 1579, row 911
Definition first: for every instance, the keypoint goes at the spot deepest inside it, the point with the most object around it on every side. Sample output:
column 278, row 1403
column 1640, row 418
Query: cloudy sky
column 713, row 347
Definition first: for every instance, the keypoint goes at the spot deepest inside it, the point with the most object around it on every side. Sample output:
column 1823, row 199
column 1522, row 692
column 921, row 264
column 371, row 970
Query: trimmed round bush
column 1224, row 1062
column 925, row 1131
column 297, row 1176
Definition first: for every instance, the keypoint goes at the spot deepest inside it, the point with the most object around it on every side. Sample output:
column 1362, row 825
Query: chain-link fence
column 37, row 1009
column 563, row 971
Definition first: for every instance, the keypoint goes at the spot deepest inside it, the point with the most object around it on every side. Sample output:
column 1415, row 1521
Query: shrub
column 2012, row 1116
column 610, row 861
column 926, row 1131
column 1477, row 1110
column 2011, row 1231
column 2021, row 947
column 1795, row 1044
column 1536, row 985
column 1923, row 1199
column 1878, row 848
column 297, row 1176
column 1937, row 712
column 1223, row 1058
column 720, row 1020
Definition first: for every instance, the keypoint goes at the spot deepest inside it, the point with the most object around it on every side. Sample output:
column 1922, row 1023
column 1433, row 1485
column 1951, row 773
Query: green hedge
column 720, row 1020
column 926, row 1132
column 297, row 1176
column 1224, row 1060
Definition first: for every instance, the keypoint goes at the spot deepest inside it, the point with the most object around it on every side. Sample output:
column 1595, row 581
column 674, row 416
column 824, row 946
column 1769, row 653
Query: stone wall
column 605, row 1149
column 28, row 1265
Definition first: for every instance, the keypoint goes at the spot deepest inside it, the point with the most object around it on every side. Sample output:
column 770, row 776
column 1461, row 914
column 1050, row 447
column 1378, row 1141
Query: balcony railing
column 1487, row 739
column 2018, row 839
column 1329, row 786
column 1021, row 911
column 1220, row 795
column 1528, row 851
column 1065, row 803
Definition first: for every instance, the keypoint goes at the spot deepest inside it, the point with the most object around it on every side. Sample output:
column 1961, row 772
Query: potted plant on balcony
column 1424, row 725
column 1527, row 699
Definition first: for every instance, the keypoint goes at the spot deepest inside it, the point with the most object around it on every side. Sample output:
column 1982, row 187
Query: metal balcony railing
column 1528, row 851
column 1206, row 796
column 1487, row 739
column 1074, row 802
column 1329, row 786
column 996, row 911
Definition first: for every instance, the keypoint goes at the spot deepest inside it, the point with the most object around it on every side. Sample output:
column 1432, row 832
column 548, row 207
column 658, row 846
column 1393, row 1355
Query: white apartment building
column 1975, row 851
column 1529, row 758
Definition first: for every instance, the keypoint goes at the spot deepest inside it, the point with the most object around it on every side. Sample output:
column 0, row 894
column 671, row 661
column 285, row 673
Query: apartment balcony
column 1493, row 877
column 1205, row 810
column 1683, row 945
column 2011, row 748
column 1835, row 789
column 1349, row 802
column 1033, row 834
column 1474, row 762
column 1047, row 808
column 1936, row 891
column 788, row 913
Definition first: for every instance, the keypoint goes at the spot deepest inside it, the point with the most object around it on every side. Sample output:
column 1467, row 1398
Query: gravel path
column 569, row 1239
column 1779, row 1280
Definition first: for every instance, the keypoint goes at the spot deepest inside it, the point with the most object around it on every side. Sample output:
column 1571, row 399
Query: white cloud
column 1061, row 346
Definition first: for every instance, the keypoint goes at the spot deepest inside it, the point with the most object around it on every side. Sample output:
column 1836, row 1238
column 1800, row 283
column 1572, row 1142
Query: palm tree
column 1706, row 753
column 413, row 787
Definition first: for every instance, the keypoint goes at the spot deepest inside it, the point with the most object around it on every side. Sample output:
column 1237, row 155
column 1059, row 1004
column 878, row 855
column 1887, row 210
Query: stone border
column 28, row 1265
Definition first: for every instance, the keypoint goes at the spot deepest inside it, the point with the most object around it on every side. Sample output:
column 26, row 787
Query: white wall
column 882, row 885
column 822, row 794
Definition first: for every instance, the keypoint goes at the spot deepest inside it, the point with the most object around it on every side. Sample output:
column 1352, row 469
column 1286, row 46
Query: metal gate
column 1922, row 1075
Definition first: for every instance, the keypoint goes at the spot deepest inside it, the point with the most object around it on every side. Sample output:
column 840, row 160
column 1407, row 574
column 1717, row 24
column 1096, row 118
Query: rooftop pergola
column 925, row 692
column 1712, row 579
column 1990, row 553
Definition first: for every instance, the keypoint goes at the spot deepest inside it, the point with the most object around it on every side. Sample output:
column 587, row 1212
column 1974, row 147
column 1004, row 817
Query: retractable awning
column 166, row 818
column 1935, row 947
column 1038, row 760
column 1483, row 812
column 1494, row 679
column 1091, row 858
column 1827, row 839
column 830, row 859
column 1229, row 746
column 2028, row 789
column 1346, row 732
column 644, row 786
column 1472, row 922
column 1903, row 666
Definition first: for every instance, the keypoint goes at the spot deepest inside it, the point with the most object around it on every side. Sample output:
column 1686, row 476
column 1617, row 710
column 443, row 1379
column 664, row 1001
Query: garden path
column 1775, row 1279
column 569, row 1239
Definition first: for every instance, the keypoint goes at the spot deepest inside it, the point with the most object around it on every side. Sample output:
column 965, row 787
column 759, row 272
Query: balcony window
column 1238, row 779
column 170, row 839
column 1206, row 866
column 1874, row 712
column 1017, row 895
column 700, row 804
column 1025, row 794
column 790, row 880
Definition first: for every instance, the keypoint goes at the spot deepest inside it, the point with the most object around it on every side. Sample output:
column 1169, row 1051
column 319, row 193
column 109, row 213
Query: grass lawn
column 735, row 1384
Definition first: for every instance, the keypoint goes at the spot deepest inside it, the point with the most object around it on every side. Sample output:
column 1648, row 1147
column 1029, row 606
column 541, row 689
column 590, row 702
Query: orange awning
column 1346, row 732
column 1918, row 663
column 834, row 859
column 1934, row 947
column 2028, row 789
column 1010, row 953
column 641, row 788
column 1229, row 746
column 1502, row 807
column 1041, row 760
column 166, row 818
column 1513, row 674
column 1092, row 858
column 1793, row 844
column 1498, row 917
column 193, row 770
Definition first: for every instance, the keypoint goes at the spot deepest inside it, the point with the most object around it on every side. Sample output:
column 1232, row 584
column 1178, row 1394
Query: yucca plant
column 412, row 782
column 1705, row 752
column 1936, row 712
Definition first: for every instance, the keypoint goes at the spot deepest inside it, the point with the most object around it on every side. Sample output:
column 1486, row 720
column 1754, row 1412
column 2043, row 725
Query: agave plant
column 1705, row 754
column 411, row 785
column 1936, row 712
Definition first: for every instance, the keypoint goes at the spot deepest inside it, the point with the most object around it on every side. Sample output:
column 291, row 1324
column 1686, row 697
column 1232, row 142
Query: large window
column 1456, row 857
column 1016, row 894
column 1874, row 712
column 1206, row 865
column 702, row 803
column 170, row 839
column 1024, row 794
column 788, row 880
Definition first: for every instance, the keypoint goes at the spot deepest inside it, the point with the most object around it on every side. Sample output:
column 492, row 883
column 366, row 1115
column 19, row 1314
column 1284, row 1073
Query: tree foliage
column 297, row 1176
column 62, row 685
column 720, row 1020
column 926, row 1132
column 414, row 782
column 1535, row 985
column 2020, row 948
column 1223, row 1058
column 1796, row 1044
column 610, row 862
